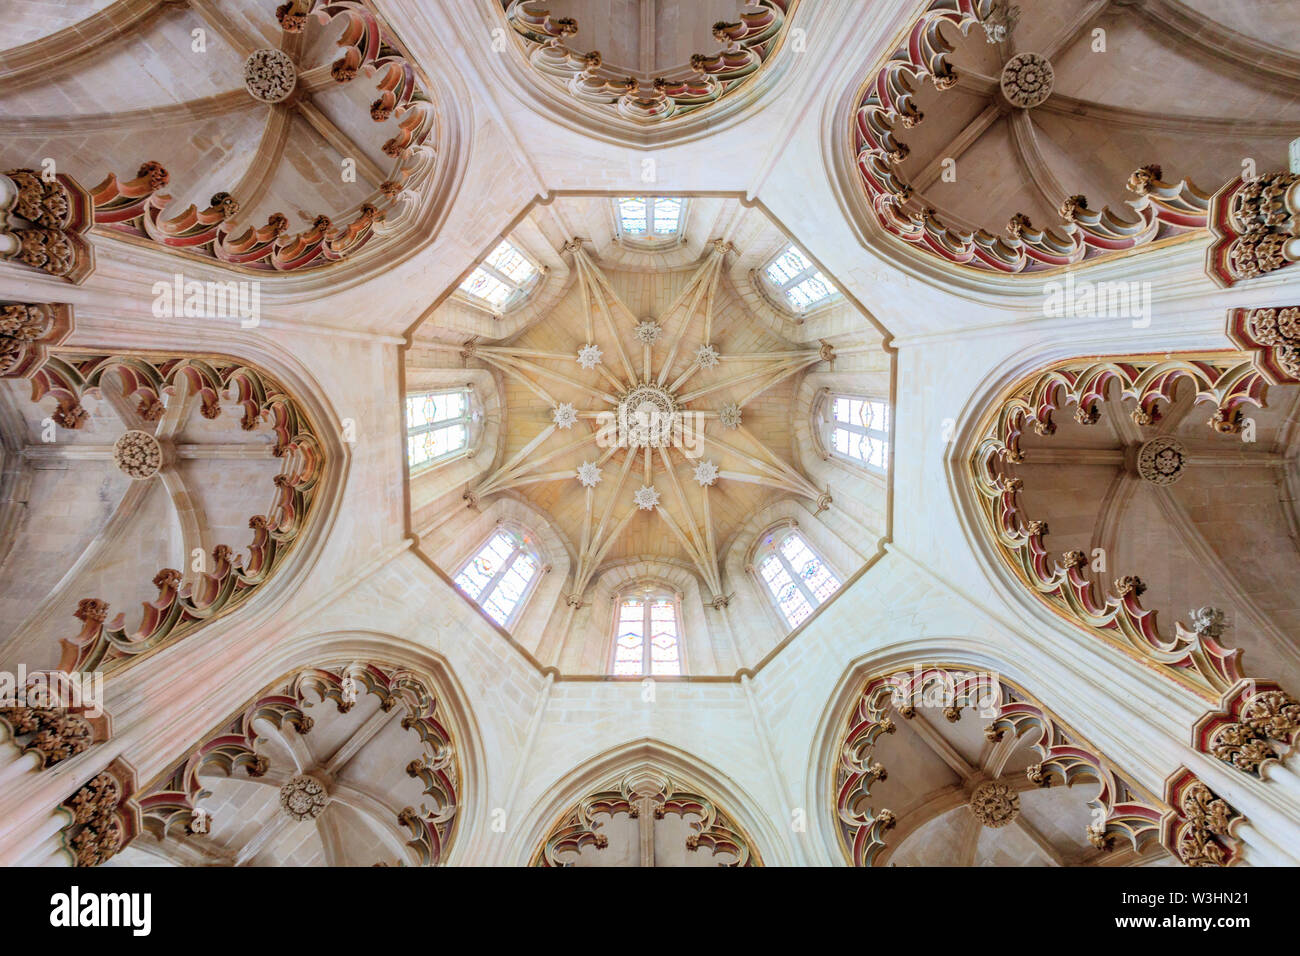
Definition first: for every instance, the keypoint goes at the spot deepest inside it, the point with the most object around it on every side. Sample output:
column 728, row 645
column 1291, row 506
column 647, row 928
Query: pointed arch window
column 647, row 636
column 798, row 281
column 858, row 430
column 437, row 426
column 502, row 279
column 650, row 219
column 501, row 574
column 796, row 577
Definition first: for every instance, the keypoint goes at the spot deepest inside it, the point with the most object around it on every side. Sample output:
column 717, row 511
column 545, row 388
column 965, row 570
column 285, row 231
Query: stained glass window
column 798, row 580
column 437, row 426
column 634, row 655
column 500, row 278
column 802, row 283
column 860, row 430
column 499, row 575
column 650, row 217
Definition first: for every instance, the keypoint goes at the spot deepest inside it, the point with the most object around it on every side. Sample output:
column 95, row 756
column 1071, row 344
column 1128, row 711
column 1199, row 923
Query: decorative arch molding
column 133, row 209
column 68, row 375
column 564, row 811
column 577, row 87
column 168, row 805
column 1191, row 821
column 303, row 503
column 883, row 106
column 1252, row 722
column 429, row 149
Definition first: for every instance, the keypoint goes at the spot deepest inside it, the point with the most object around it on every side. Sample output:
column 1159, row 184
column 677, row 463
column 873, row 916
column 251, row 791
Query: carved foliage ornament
column 43, row 222
column 52, row 733
column 1273, row 334
column 994, row 804
column 1256, row 227
column 104, row 817
column 1201, row 824
column 1257, row 723
column 27, row 330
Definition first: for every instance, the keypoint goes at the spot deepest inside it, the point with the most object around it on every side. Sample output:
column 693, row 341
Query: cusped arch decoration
column 885, row 107
column 611, row 91
column 636, row 793
column 1252, row 722
column 69, row 375
column 1192, row 822
column 168, row 805
column 563, row 809
column 422, row 141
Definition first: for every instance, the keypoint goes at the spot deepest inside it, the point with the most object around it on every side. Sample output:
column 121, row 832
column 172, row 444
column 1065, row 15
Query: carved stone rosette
column 269, row 75
column 1026, row 80
column 43, row 222
column 138, row 455
column 579, row 828
column 1162, row 460
column 303, row 797
column 994, row 804
column 104, row 817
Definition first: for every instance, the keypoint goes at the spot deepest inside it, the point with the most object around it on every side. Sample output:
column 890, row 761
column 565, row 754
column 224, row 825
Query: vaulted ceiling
column 689, row 332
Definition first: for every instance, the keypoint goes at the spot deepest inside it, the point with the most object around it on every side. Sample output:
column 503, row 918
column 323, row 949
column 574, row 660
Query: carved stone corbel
column 1199, row 827
column 53, row 733
column 105, row 818
column 1273, row 335
column 43, row 222
column 1257, row 723
column 1256, row 227
column 27, row 330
